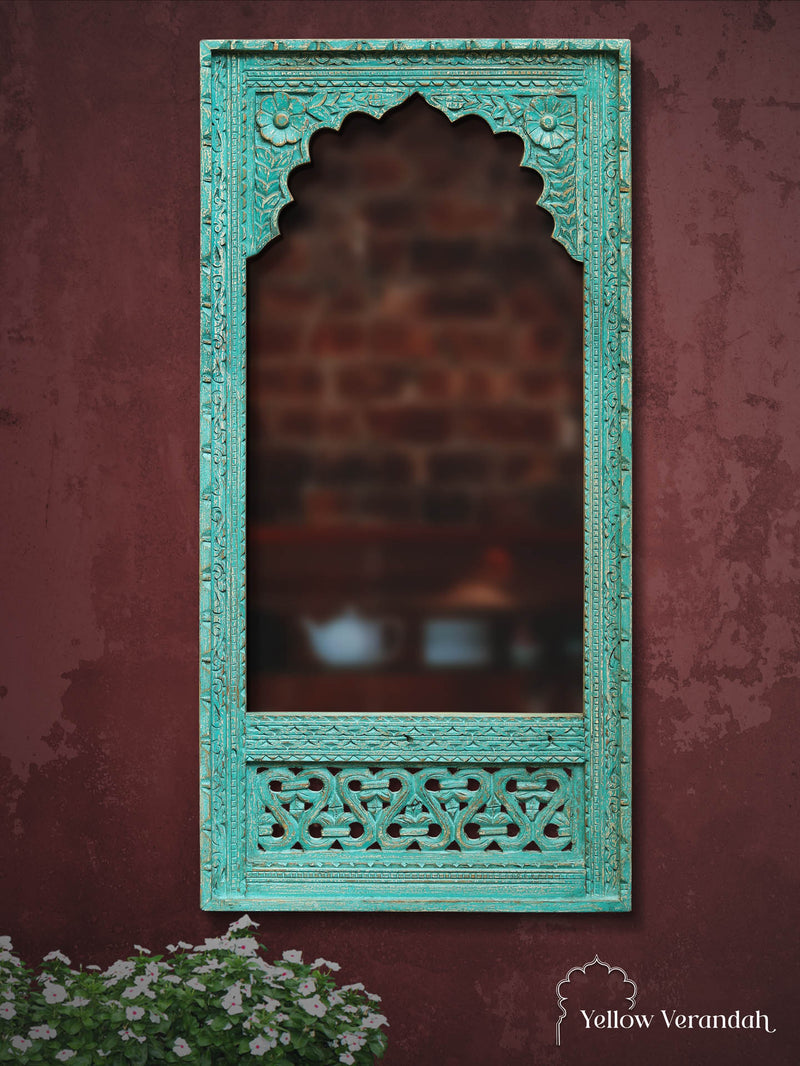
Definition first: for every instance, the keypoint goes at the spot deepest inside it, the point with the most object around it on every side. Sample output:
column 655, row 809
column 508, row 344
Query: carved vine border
column 569, row 101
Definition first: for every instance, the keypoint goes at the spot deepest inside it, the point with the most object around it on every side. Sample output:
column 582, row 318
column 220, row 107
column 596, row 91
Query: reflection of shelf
column 432, row 691
column 319, row 570
column 263, row 533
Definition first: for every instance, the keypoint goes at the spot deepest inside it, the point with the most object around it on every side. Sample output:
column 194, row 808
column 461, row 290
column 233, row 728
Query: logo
column 609, row 1012
column 562, row 993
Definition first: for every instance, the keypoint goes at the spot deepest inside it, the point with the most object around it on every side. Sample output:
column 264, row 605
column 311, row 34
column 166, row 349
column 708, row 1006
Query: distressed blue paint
column 261, row 102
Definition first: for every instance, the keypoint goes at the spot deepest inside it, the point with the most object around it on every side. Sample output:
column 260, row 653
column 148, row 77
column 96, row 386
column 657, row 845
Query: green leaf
column 137, row 1053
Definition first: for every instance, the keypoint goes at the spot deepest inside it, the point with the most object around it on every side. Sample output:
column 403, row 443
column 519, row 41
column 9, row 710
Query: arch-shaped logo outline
column 596, row 961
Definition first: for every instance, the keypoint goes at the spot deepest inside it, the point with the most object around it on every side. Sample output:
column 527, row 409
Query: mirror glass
column 414, row 437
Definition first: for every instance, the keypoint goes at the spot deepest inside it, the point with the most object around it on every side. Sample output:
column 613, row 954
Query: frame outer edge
column 626, row 479
column 231, row 891
column 204, row 478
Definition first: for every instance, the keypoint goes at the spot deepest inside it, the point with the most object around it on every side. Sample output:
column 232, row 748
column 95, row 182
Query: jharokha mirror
column 415, row 475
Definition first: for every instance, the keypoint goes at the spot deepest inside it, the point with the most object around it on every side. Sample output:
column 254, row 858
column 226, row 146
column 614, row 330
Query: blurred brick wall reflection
column 415, row 346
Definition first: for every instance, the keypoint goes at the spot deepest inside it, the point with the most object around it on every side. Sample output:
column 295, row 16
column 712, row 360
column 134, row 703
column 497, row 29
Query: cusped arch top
column 285, row 122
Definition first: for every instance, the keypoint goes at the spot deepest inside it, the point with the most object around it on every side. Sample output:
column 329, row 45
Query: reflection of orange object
column 487, row 587
column 496, row 565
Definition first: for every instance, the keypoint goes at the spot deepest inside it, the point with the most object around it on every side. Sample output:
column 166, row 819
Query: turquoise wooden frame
column 414, row 811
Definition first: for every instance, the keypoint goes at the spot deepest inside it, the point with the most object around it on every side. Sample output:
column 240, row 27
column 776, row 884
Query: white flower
column 293, row 956
column 141, row 950
column 65, row 1054
column 335, row 998
column 212, row 964
column 133, row 1014
column 246, row 945
column 347, row 1058
column 181, row 1048
column 121, row 968
column 42, row 1032
column 196, row 984
column 213, row 944
column 315, row 965
column 172, row 978
column 286, row 1038
column 375, row 998
column 6, row 945
column 354, row 1041
column 19, row 1042
column 128, row 1034
column 56, row 955
column 245, row 922
column 93, row 968
column 172, row 947
column 314, row 1006
column 8, row 994
column 268, row 1004
column 255, row 963
column 307, row 987
column 155, row 1016
column 7, row 1010
column 353, row 988
column 232, row 1000
column 54, row 993
column 132, row 992
column 78, row 1001
column 374, row 1021
column 259, row 1046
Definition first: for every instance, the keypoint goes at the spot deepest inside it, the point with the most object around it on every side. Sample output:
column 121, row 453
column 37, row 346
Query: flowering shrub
column 218, row 1002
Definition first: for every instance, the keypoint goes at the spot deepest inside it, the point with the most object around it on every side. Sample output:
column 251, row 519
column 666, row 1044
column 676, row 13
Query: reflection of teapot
column 352, row 640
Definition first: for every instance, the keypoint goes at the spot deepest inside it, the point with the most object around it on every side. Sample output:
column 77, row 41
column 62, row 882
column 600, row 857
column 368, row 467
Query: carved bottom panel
column 360, row 808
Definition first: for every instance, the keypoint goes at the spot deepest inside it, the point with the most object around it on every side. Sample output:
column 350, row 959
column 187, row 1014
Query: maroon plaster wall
column 99, row 315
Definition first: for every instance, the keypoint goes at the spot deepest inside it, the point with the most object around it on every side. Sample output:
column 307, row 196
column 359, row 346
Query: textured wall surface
column 99, row 328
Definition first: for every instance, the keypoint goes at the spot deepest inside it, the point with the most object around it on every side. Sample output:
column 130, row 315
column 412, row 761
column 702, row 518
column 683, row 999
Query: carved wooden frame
column 551, row 793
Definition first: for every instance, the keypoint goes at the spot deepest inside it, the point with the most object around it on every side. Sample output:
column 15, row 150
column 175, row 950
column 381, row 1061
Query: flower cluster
column 213, row 1003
